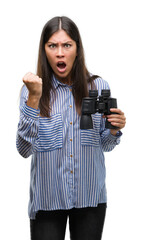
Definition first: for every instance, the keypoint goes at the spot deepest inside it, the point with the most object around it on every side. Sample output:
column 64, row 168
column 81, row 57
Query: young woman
column 67, row 168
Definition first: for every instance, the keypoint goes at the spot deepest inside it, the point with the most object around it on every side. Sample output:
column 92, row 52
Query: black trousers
column 84, row 224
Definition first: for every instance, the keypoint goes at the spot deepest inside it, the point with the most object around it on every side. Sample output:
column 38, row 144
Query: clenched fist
column 34, row 85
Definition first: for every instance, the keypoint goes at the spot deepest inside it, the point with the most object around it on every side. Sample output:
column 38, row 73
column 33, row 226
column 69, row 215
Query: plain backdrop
column 111, row 35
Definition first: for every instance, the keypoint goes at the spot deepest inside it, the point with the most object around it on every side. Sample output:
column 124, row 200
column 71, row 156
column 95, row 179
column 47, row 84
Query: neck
column 66, row 80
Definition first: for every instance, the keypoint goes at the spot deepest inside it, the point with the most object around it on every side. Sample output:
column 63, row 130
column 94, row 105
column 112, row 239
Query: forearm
column 109, row 141
column 27, row 130
column 34, row 86
column 109, row 137
column 113, row 132
column 33, row 102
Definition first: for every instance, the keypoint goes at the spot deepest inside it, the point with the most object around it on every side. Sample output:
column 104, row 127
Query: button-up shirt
column 67, row 163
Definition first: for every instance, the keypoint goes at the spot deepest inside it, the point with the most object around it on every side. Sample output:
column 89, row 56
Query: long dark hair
column 79, row 74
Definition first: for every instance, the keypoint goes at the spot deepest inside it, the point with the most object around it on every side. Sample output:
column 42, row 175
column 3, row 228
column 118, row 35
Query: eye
column 53, row 45
column 67, row 45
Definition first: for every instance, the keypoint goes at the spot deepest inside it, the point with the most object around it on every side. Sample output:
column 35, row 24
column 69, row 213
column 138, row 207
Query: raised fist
column 34, row 85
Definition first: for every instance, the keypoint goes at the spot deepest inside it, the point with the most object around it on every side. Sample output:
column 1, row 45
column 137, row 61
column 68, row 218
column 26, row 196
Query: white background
column 111, row 35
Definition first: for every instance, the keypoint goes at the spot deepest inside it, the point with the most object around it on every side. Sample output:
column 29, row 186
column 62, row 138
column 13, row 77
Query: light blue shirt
column 67, row 167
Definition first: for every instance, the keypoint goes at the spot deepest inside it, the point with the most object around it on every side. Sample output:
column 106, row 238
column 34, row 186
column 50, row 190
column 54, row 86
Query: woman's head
column 51, row 28
column 77, row 74
column 61, row 52
column 58, row 23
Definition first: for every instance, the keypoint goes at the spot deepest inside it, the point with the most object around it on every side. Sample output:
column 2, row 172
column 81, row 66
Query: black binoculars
column 94, row 104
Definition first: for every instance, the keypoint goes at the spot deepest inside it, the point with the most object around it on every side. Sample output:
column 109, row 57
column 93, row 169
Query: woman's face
column 61, row 52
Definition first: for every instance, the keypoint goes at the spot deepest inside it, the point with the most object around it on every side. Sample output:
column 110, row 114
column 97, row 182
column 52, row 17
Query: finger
column 27, row 75
column 119, row 125
column 116, row 116
column 40, row 80
column 30, row 77
column 116, row 110
column 116, row 120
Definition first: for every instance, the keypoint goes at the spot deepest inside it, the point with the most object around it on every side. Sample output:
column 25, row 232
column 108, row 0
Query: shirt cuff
column 116, row 137
column 30, row 112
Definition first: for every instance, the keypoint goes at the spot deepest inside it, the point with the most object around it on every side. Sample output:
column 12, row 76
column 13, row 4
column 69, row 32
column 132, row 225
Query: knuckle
column 24, row 79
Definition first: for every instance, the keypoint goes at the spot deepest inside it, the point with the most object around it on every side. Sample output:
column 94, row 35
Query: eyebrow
column 62, row 42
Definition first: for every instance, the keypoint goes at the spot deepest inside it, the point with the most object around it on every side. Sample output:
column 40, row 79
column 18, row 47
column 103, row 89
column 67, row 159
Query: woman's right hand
column 34, row 85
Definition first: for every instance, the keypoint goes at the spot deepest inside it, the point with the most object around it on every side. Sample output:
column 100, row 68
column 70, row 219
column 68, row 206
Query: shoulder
column 97, row 82
column 100, row 84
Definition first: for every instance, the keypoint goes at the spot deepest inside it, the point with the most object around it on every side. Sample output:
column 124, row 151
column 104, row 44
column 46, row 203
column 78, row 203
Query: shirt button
column 70, row 123
column 71, row 139
column 70, row 106
column 71, row 171
column 70, row 90
column 71, row 155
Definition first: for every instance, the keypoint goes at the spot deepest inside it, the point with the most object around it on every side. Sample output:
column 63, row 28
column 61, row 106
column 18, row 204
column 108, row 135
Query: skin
column 61, row 48
column 118, row 120
column 34, row 85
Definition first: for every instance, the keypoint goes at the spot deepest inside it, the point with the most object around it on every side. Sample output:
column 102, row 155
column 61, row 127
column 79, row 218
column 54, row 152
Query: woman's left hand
column 118, row 120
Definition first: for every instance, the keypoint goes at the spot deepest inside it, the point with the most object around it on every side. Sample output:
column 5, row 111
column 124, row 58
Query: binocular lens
column 105, row 93
column 93, row 93
column 86, row 122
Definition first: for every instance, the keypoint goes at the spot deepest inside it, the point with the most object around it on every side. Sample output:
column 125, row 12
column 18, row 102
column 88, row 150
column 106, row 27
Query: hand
column 118, row 120
column 34, row 85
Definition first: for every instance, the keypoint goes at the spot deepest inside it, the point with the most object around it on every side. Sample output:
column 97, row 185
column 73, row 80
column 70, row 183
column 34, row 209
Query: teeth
column 61, row 65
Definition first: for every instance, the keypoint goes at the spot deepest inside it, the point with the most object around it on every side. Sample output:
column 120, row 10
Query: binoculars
column 94, row 104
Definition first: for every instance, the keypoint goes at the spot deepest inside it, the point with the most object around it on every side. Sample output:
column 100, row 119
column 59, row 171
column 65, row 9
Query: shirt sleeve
column 108, row 141
column 27, row 131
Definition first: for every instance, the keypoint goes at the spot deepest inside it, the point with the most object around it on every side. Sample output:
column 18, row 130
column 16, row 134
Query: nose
column 60, row 52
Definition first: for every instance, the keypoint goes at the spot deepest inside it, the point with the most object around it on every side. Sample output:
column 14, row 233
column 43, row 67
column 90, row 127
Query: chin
column 62, row 76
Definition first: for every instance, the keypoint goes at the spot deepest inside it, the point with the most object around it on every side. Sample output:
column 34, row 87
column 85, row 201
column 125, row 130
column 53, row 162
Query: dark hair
column 79, row 74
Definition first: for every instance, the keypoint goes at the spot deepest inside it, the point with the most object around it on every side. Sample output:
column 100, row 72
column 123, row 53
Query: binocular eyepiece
column 94, row 104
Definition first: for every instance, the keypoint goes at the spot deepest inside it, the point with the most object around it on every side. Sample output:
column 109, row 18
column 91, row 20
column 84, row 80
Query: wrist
column 114, row 131
column 33, row 101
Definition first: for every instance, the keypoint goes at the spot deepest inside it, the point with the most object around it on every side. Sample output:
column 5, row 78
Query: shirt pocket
column 50, row 133
column 91, row 137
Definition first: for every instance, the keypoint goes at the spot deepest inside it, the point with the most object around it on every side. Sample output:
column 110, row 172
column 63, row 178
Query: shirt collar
column 56, row 82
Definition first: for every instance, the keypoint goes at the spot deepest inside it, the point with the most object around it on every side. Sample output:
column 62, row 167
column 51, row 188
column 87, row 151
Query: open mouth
column 61, row 66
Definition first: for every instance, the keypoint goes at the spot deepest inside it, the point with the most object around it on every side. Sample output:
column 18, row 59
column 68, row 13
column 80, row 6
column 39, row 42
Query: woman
column 67, row 169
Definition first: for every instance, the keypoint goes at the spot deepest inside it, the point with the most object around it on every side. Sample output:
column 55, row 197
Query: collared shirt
column 67, row 167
